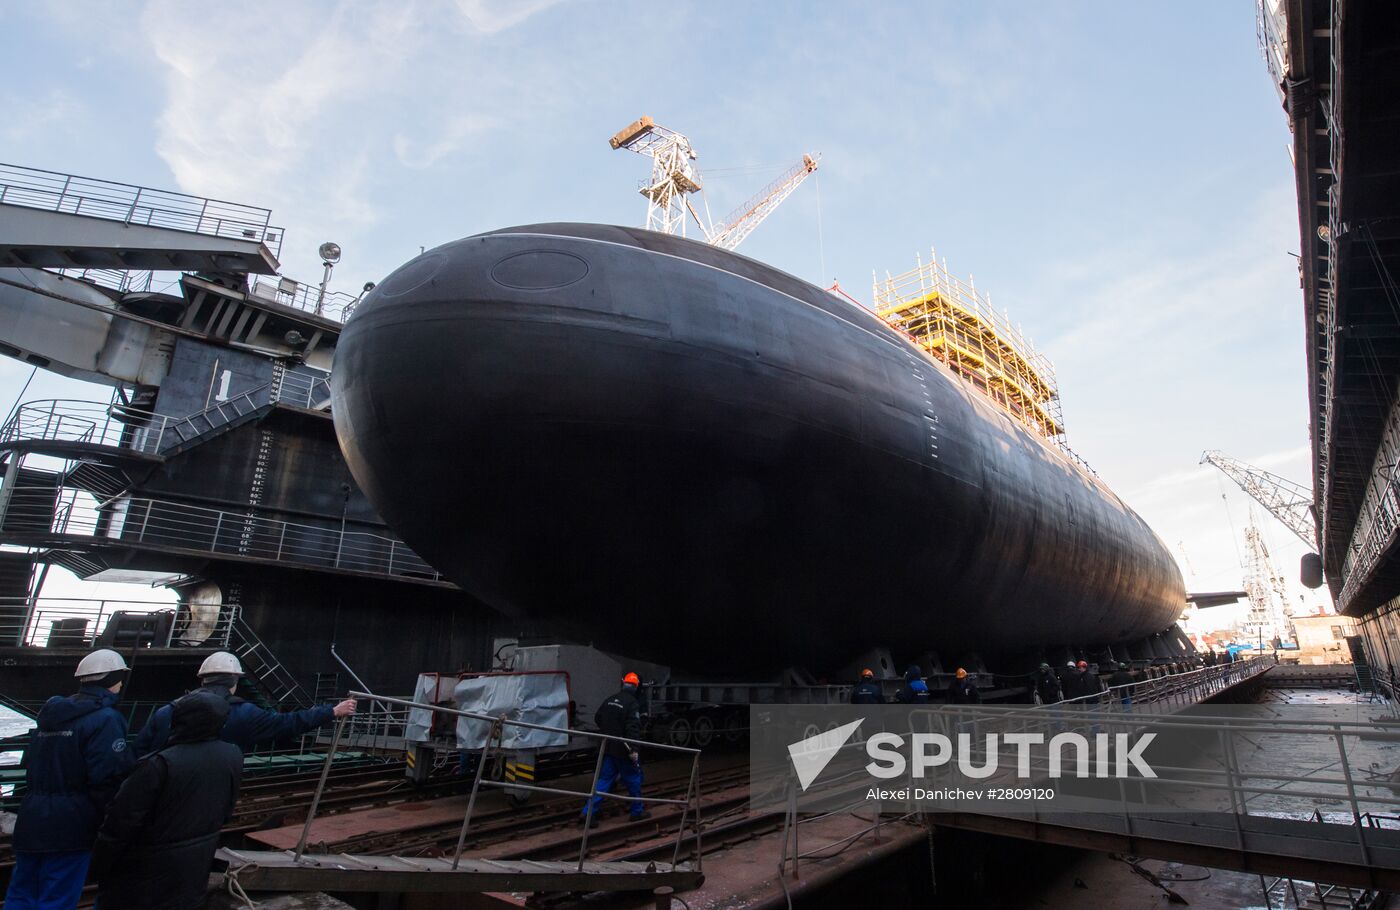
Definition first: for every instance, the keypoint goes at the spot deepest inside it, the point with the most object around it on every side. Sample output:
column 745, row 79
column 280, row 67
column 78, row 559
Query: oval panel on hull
column 539, row 270
column 412, row 276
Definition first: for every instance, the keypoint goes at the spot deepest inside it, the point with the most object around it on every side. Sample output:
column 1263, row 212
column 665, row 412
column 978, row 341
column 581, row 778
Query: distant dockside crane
column 675, row 178
column 1289, row 502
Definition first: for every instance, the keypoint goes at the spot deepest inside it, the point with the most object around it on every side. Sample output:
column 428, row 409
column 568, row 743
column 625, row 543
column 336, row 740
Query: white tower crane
column 1269, row 616
column 675, row 177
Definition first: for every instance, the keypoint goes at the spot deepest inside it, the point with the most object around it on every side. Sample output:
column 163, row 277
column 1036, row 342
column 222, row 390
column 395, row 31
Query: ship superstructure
column 211, row 467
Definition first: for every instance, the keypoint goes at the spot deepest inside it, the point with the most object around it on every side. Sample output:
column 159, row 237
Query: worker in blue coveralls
column 915, row 690
column 868, row 691
column 75, row 761
column 247, row 725
column 620, row 716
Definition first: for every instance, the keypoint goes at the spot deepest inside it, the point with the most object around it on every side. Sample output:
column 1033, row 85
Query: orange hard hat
column 961, row 674
column 867, row 673
column 631, row 679
column 1083, row 665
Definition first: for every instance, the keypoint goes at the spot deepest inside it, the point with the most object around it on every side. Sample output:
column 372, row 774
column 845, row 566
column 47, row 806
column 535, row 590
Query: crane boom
column 674, row 177
column 742, row 221
column 1287, row 501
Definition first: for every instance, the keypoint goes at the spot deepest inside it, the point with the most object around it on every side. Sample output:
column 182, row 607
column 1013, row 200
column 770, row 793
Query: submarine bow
column 680, row 454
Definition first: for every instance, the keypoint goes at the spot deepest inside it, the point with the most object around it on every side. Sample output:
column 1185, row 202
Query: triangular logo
column 811, row 755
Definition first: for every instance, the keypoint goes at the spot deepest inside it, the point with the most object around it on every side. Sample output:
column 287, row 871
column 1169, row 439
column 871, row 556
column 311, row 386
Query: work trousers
column 613, row 768
column 47, row 881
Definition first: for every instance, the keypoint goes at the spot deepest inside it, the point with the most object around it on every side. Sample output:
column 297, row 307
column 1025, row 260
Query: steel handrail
column 130, row 204
column 498, row 723
column 304, row 296
column 207, row 530
column 97, row 423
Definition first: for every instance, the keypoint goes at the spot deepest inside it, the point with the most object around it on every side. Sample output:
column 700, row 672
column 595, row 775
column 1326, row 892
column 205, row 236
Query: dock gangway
column 1305, row 794
column 302, row 869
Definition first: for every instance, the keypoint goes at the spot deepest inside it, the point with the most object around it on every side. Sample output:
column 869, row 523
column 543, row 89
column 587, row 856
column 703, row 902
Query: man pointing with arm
column 247, row 725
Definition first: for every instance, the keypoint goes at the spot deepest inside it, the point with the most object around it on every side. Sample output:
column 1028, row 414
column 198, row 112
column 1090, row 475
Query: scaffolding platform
column 956, row 324
column 265, row 870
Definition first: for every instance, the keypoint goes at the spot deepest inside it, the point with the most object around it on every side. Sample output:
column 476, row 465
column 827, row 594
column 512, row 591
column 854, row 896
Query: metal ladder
column 215, row 417
column 259, row 663
column 327, row 687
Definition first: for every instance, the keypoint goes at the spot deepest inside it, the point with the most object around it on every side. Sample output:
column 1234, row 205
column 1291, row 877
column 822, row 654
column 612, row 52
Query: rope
column 20, row 397
column 235, row 888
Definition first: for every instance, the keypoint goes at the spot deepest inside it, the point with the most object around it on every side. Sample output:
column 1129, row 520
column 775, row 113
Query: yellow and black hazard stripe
column 411, row 757
column 520, row 771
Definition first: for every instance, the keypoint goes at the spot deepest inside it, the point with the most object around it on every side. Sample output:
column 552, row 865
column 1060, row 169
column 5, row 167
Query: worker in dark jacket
column 1122, row 683
column 248, row 725
column 961, row 690
column 157, row 842
column 915, row 690
column 868, row 691
column 1047, row 685
column 73, row 765
column 620, row 716
column 1082, row 683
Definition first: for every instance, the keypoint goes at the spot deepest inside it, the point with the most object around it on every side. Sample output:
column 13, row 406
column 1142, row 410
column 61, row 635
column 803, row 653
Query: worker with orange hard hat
column 867, row 691
column 620, row 716
column 962, row 690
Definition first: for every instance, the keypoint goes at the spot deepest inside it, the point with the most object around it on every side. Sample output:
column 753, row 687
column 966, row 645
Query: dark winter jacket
column 963, row 692
column 73, row 765
column 157, row 842
column 868, row 692
column 1047, row 686
column 1082, row 683
column 620, row 715
column 247, row 725
column 913, row 692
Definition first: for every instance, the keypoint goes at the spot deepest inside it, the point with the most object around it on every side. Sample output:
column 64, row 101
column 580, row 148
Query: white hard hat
column 220, row 662
column 100, row 663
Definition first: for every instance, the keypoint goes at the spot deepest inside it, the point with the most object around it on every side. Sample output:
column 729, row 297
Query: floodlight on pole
column 330, row 255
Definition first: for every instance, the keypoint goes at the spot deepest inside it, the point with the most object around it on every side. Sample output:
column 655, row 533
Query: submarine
column 678, row 453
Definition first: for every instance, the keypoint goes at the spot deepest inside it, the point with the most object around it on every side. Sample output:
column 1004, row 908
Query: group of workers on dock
column 142, row 820
column 1075, row 681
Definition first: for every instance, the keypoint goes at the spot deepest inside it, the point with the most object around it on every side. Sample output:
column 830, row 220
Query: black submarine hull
column 680, row 454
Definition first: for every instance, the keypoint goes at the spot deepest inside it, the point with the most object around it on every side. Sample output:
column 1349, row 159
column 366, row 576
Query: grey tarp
column 420, row 720
column 536, row 698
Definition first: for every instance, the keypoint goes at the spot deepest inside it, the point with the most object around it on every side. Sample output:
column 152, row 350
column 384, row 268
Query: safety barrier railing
column 40, row 512
column 691, row 802
column 121, row 280
column 96, row 423
column 304, row 390
column 334, row 305
column 118, row 426
column 1341, row 755
column 1330, row 773
column 1178, row 689
column 74, row 622
column 74, row 195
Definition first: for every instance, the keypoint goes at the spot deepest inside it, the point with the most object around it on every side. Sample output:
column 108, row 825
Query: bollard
column 663, row 897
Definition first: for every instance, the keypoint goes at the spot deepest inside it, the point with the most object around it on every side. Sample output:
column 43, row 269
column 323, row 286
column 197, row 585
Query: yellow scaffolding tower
column 954, row 323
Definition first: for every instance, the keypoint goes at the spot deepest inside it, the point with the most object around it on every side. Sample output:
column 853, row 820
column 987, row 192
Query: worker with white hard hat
column 247, row 725
column 74, row 763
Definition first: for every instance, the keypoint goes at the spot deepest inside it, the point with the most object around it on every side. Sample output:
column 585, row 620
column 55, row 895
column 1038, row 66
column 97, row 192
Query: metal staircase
column 182, row 434
column 262, row 667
